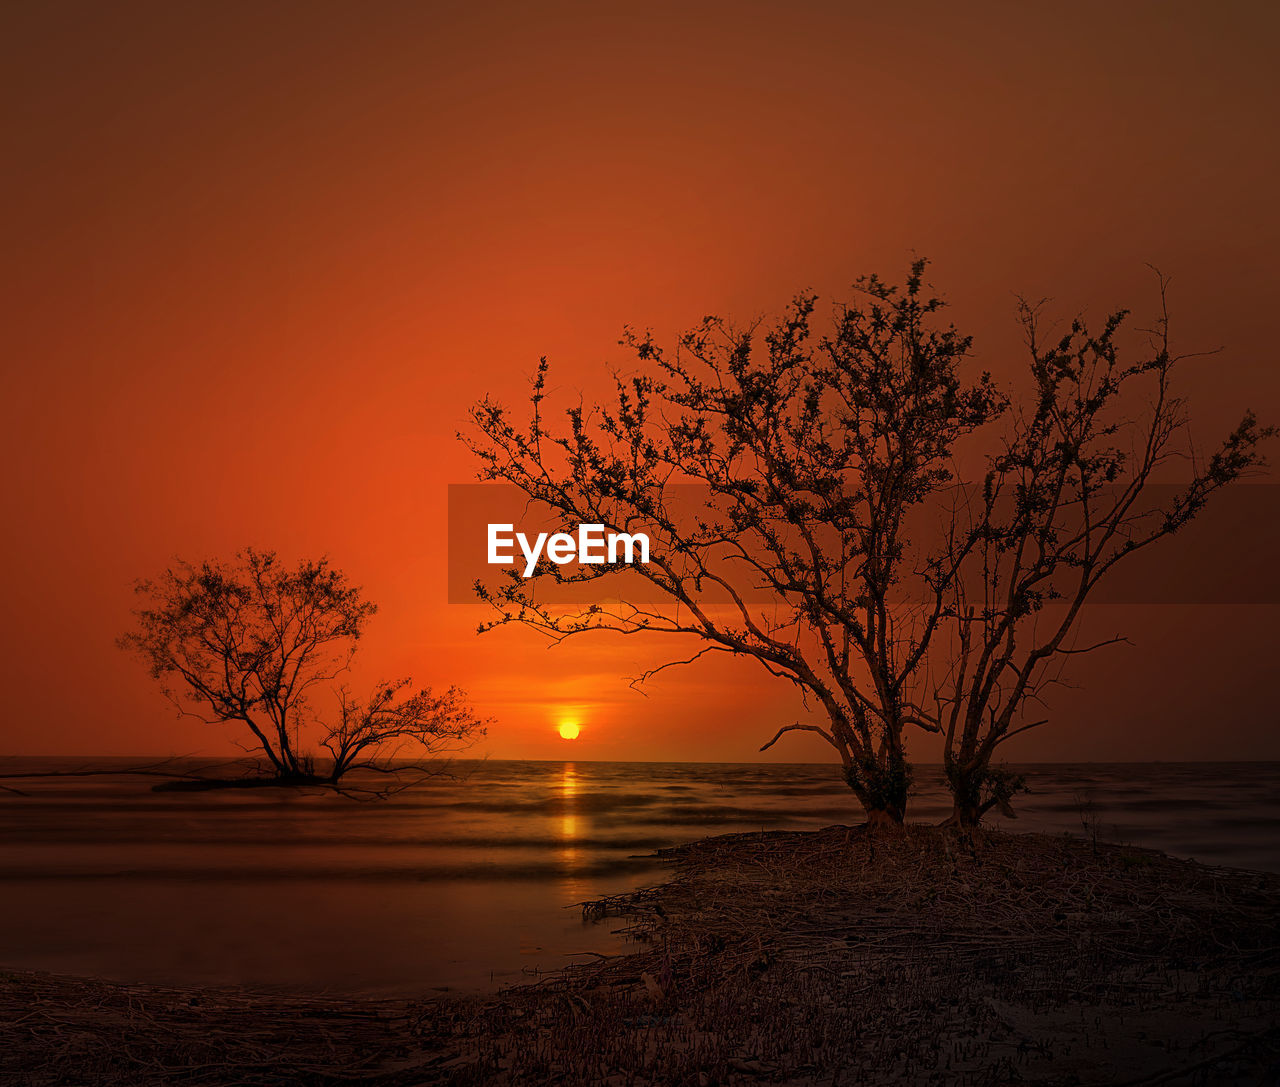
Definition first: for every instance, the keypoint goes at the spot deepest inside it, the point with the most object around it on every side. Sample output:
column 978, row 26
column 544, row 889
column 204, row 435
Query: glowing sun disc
column 569, row 731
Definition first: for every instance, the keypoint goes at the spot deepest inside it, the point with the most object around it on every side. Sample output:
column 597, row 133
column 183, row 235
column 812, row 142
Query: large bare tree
column 810, row 449
column 1085, row 481
column 253, row 641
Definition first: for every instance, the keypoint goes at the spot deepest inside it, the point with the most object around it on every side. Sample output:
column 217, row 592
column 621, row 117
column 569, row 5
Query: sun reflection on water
column 569, row 854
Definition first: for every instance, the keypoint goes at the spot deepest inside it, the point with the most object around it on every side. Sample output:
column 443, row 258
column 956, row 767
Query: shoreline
column 802, row 957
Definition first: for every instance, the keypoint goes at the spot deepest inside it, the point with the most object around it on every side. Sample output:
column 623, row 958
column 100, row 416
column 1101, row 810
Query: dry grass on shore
column 819, row 958
column 922, row 958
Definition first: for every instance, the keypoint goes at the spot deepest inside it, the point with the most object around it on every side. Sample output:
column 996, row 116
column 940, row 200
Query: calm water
column 470, row 883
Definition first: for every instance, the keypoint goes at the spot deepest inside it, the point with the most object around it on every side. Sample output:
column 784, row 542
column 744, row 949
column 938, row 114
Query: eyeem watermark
column 1227, row 557
column 591, row 546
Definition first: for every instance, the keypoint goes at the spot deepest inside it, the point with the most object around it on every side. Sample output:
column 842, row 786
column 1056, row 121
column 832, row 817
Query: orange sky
column 259, row 262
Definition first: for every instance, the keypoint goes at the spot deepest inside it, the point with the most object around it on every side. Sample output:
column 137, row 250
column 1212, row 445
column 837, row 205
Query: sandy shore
column 818, row 958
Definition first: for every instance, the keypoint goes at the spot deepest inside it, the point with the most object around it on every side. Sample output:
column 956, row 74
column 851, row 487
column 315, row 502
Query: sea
column 473, row 880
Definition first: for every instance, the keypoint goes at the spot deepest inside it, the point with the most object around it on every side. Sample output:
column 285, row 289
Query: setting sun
column 569, row 731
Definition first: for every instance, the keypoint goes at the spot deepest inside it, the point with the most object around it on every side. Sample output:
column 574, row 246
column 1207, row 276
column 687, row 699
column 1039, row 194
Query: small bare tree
column 372, row 735
column 809, row 451
column 251, row 641
column 1071, row 496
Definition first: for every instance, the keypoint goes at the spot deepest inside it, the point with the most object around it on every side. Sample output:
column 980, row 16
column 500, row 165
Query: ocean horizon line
column 229, row 759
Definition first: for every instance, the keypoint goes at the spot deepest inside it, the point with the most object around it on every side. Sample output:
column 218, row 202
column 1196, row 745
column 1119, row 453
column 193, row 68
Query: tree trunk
column 963, row 814
column 881, row 788
column 880, row 820
column 965, row 783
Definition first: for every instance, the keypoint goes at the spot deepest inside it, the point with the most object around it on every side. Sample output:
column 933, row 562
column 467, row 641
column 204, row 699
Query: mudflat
column 920, row 956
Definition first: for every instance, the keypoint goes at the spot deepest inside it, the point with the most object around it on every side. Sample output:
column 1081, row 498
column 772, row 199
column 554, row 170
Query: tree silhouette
column 1069, row 497
column 809, row 452
column 251, row 641
column 830, row 540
